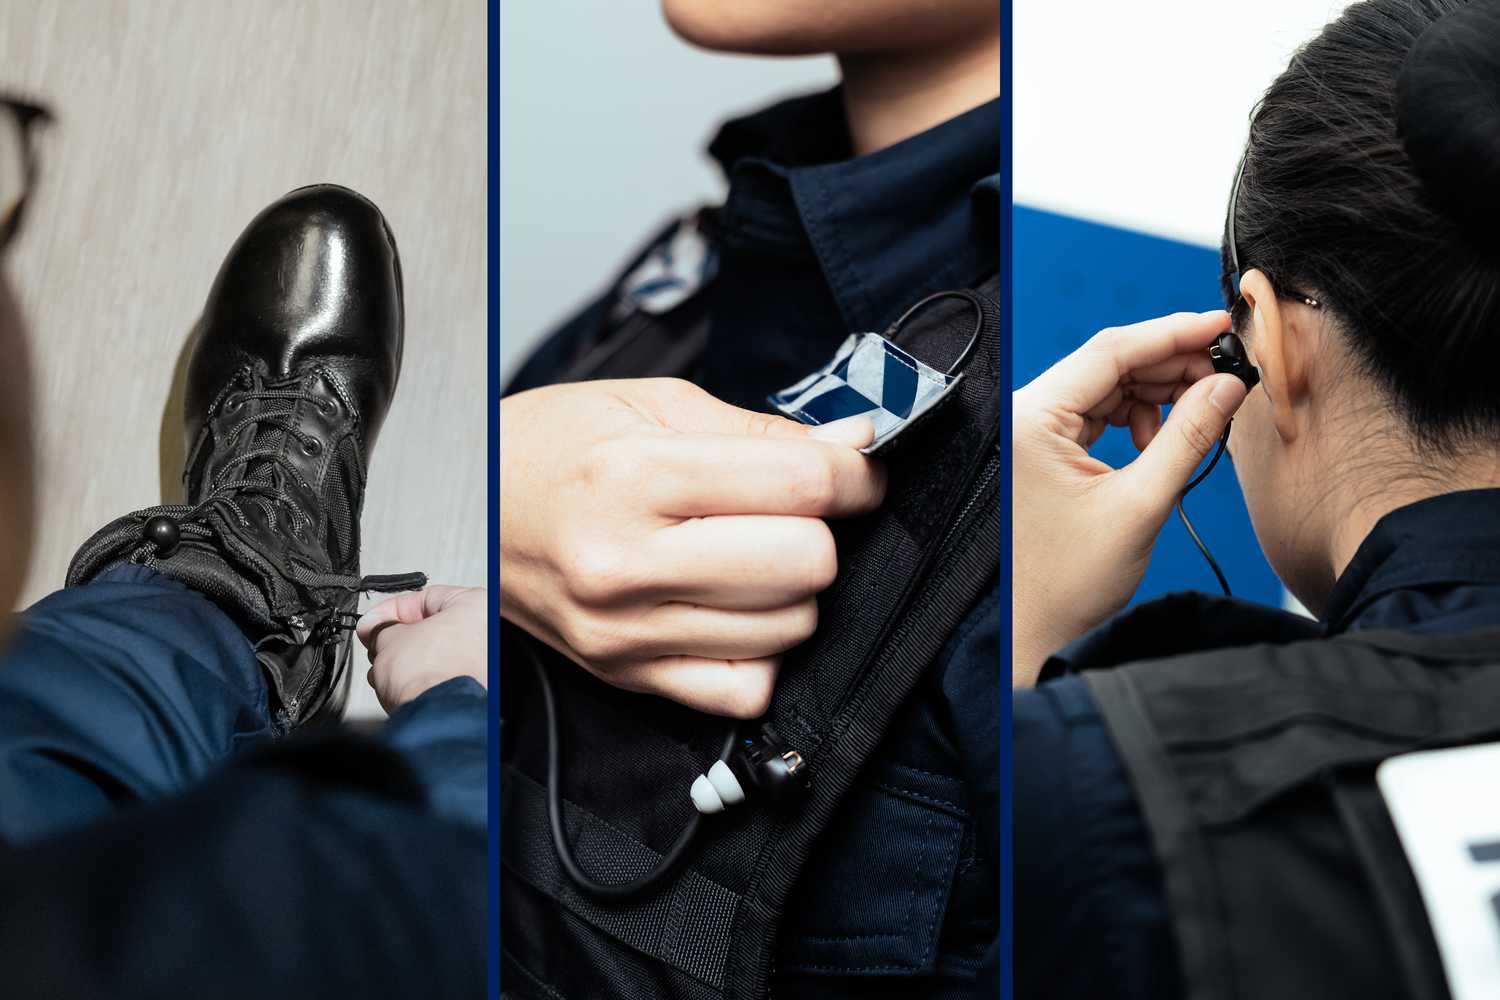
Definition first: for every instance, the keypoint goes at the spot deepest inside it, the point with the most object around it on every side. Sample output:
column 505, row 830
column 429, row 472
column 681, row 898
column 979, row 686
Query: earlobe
column 1273, row 352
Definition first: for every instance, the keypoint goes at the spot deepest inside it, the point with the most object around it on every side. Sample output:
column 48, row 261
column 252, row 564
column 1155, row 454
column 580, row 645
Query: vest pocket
column 872, row 898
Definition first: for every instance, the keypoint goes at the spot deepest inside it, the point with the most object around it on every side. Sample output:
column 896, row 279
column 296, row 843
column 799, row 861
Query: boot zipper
column 313, row 637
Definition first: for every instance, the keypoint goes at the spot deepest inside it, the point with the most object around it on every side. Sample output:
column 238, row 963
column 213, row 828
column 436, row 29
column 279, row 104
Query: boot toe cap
column 314, row 278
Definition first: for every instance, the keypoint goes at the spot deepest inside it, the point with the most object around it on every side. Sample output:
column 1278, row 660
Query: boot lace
column 224, row 487
column 250, row 477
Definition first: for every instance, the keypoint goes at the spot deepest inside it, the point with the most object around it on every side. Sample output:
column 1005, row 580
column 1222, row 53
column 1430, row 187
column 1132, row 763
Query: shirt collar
column 887, row 228
column 1448, row 540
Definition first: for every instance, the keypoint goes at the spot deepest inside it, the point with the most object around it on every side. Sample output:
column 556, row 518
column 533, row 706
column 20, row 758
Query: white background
column 604, row 115
column 1135, row 114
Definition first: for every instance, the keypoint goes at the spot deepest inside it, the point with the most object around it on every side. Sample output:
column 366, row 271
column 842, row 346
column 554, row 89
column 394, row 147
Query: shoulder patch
column 674, row 269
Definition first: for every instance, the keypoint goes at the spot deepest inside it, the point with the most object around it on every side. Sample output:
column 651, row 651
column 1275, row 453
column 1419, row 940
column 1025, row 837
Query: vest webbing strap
column 1186, row 873
column 687, row 927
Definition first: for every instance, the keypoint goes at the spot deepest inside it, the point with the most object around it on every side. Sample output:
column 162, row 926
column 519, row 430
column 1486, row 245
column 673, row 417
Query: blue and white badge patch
column 868, row 375
column 1446, row 812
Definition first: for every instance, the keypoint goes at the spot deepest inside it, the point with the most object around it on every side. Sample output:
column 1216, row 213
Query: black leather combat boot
column 293, row 368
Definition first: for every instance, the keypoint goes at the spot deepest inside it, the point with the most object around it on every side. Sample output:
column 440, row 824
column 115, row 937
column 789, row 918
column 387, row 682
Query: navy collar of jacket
column 1430, row 566
column 795, row 189
column 1446, row 541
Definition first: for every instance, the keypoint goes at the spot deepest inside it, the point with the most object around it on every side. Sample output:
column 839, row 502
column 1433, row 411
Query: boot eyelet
column 312, row 447
column 233, row 404
column 328, row 407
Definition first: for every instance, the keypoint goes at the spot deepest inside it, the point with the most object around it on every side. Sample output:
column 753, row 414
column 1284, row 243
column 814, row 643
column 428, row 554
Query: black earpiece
column 761, row 768
column 1229, row 358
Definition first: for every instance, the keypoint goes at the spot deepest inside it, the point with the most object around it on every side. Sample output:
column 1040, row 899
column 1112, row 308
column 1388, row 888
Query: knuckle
column 594, row 640
column 765, row 424
column 1198, row 435
column 752, row 698
column 610, row 464
column 674, row 390
column 1105, row 337
column 804, row 621
column 821, row 557
column 595, row 573
column 811, row 481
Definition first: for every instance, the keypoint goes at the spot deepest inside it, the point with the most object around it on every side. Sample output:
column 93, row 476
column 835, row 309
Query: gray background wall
column 178, row 121
column 604, row 114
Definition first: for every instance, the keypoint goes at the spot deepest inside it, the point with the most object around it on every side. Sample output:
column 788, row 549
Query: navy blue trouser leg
column 129, row 688
column 137, row 859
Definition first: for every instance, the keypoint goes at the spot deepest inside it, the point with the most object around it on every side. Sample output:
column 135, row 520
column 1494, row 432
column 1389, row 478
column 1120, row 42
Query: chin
column 810, row 27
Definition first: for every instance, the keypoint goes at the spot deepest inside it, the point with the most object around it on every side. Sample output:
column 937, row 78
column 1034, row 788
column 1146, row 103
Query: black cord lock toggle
column 163, row 533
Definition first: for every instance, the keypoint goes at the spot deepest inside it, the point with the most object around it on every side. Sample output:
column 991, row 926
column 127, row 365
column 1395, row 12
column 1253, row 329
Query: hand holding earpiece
column 1082, row 531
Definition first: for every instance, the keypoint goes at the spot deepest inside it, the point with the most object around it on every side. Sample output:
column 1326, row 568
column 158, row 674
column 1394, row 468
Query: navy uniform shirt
column 815, row 244
column 1091, row 916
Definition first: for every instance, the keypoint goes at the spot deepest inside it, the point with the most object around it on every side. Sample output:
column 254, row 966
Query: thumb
column 1192, row 431
column 685, row 407
column 403, row 609
column 717, row 417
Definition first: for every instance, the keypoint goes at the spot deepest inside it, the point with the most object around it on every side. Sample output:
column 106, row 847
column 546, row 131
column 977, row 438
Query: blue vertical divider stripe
column 1005, row 960
column 492, row 205
column 1072, row 278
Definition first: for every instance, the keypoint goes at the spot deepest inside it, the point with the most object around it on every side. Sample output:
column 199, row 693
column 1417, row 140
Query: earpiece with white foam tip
column 716, row 790
column 726, row 784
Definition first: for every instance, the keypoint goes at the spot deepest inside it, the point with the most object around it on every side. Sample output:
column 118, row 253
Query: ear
column 1281, row 355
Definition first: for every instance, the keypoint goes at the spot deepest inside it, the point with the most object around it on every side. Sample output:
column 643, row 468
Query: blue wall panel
column 1073, row 278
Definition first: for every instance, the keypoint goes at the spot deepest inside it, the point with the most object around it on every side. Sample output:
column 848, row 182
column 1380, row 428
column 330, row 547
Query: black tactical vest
column 1255, row 769
column 908, row 576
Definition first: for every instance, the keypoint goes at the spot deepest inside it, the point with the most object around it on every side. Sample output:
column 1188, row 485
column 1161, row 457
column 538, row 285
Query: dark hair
column 1372, row 181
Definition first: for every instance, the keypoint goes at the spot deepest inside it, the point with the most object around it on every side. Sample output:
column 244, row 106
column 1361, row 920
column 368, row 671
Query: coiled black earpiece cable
column 616, row 891
column 1182, row 514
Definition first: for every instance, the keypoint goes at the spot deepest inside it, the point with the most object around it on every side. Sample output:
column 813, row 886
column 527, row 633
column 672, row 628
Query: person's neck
column 1375, row 500
column 893, row 96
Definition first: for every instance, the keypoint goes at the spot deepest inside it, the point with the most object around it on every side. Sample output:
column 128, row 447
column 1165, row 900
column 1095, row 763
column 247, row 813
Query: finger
column 407, row 608
column 851, row 432
column 1191, row 432
column 1145, row 421
column 383, row 637
column 1187, row 372
column 678, row 628
column 1157, row 394
column 745, row 562
column 1187, row 368
column 739, row 689
column 1120, row 415
column 698, row 475
column 683, row 406
column 1086, row 377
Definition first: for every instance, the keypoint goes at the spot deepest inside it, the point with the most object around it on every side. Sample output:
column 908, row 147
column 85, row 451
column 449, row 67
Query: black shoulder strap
column 636, row 342
column 1254, row 768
